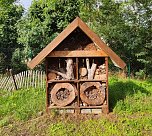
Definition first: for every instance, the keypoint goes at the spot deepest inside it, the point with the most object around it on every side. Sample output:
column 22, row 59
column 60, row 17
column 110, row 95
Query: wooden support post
column 77, row 111
column 47, row 99
column 105, row 107
column 13, row 79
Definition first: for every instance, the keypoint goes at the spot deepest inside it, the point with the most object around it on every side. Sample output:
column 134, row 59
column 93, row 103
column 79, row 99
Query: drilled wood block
column 96, row 111
column 86, row 110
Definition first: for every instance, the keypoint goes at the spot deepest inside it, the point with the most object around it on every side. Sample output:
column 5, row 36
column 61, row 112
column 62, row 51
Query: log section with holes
column 92, row 93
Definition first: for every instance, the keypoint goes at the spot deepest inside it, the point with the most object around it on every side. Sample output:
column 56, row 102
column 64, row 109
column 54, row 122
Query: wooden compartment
column 77, row 70
column 78, row 92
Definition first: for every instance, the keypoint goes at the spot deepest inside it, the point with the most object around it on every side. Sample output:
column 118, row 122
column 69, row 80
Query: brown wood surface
column 99, row 91
column 106, row 105
column 95, row 38
column 66, row 101
column 69, row 29
column 78, row 54
column 74, row 107
column 47, row 91
column 40, row 57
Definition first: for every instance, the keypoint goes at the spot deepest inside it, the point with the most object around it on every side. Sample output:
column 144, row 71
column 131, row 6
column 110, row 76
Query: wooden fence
column 25, row 79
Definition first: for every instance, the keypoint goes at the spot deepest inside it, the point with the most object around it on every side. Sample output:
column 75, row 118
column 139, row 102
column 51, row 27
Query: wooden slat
column 96, row 39
column 78, row 54
column 31, row 72
column 5, row 84
column 17, row 80
column 53, row 44
column 38, row 79
column 24, row 79
column 3, row 81
column 20, row 79
column 41, row 79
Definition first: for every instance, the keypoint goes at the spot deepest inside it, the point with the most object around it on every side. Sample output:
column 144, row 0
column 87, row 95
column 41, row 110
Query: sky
column 26, row 3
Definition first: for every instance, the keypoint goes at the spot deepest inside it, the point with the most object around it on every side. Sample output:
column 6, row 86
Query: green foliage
column 18, row 61
column 9, row 15
column 43, row 22
column 125, row 26
column 2, row 62
column 141, row 74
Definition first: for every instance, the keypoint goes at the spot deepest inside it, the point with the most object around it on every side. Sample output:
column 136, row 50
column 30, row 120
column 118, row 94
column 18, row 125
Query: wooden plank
column 3, row 81
column 33, row 77
column 36, row 72
column 44, row 79
column 78, row 54
column 53, row 44
column 93, row 80
column 96, row 39
column 31, row 72
column 60, row 81
column 24, row 76
column 90, row 107
column 27, row 79
column 38, row 79
column 16, row 79
column 72, row 107
column 106, row 105
column 78, row 86
column 41, row 79
column 19, row 75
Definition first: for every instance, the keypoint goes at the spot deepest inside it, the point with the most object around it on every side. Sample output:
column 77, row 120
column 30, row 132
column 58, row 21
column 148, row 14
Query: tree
column 9, row 15
column 126, row 27
column 43, row 22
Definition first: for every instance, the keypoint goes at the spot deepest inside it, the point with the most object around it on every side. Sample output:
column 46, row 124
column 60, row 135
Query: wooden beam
column 78, row 54
column 53, row 44
column 96, row 39
column 69, row 29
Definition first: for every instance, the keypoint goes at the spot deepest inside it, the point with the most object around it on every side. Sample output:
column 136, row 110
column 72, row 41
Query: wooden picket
column 25, row 79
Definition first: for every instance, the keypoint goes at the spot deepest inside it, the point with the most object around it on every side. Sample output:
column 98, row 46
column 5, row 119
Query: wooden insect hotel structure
column 77, row 70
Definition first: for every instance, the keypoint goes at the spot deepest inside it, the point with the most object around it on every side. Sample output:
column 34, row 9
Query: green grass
column 130, row 106
column 130, row 96
column 21, row 104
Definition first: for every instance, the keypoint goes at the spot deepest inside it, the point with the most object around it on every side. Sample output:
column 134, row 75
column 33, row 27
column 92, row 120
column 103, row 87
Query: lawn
column 23, row 113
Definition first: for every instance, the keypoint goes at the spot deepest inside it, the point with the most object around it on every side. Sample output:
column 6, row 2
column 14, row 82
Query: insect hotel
column 77, row 70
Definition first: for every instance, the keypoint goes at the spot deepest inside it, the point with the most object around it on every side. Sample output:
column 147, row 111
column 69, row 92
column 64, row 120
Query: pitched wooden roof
column 67, row 31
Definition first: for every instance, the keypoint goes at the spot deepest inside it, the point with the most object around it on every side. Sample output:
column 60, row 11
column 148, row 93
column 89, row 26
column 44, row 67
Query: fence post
column 13, row 79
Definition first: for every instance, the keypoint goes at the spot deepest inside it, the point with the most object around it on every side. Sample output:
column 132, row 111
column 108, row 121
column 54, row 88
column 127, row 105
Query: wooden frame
column 77, row 109
column 67, row 31
column 101, row 50
column 78, row 53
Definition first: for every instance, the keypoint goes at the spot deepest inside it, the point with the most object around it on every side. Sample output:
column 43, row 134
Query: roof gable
column 68, row 30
